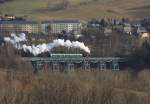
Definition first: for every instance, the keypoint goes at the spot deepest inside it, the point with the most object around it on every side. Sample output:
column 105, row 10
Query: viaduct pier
column 72, row 62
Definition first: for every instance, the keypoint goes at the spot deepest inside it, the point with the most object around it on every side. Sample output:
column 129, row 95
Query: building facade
column 58, row 26
column 19, row 26
column 146, row 24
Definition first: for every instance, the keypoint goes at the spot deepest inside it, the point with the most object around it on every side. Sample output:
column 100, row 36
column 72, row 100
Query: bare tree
column 65, row 4
column 49, row 29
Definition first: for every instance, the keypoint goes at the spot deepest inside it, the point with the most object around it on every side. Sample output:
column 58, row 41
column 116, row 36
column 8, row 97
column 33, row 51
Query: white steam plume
column 41, row 48
column 15, row 40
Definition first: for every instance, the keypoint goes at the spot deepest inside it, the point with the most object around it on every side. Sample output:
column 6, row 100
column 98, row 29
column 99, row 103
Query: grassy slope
column 35, row 9
column 104, row 87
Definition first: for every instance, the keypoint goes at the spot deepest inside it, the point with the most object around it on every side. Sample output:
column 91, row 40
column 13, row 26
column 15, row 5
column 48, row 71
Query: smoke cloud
column 15, row 40
column 41, row 48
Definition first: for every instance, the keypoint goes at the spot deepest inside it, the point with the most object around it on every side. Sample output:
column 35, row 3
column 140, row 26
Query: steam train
column 55, row 55
column 66, row 55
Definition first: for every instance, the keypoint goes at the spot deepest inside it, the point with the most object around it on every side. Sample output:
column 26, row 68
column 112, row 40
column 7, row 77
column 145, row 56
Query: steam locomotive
column 55, row 55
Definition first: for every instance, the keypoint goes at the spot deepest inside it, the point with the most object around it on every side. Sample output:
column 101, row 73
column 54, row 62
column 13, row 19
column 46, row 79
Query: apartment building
column 56, row 26
column 19, row 26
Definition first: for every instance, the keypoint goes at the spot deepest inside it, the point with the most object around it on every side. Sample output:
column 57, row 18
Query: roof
column 141, row 29
column 147, row 18
column 18, row 22
column 61, row 21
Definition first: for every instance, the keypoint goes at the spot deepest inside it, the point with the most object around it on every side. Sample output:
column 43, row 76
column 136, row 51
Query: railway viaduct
column 74, row 63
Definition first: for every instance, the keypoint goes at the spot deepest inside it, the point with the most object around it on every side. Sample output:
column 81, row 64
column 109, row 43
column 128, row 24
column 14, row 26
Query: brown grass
column 106, row 87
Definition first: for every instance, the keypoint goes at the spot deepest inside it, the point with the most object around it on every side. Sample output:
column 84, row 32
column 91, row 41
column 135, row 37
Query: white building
column 57, row 26
column 127, row 29
column 19, row 26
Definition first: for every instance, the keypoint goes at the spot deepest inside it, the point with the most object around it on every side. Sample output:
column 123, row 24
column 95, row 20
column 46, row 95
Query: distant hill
column 78, row 9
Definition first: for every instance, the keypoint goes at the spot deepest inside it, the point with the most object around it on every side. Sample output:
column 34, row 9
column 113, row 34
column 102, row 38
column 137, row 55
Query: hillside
column 81, row 9
column 105, row 87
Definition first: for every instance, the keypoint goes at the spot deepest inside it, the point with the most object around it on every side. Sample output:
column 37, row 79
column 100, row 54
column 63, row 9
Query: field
column 106, row 87
column 78, row 9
